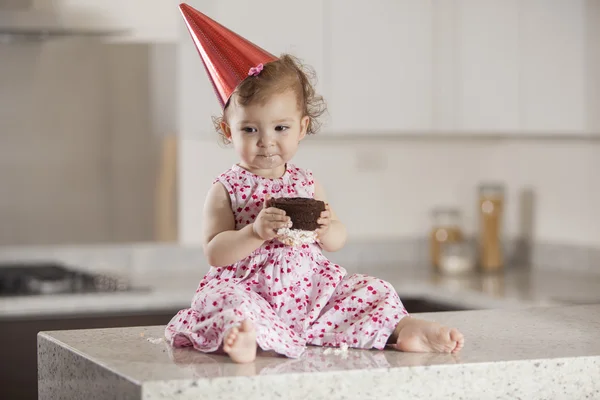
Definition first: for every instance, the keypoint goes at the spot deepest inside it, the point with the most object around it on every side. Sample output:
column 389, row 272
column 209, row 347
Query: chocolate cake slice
column 303, row 211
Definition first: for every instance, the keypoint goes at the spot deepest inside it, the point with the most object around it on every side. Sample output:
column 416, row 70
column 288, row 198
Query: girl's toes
column 455, row 334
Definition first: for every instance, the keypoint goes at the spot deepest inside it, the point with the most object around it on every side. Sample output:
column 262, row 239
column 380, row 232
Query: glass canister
column 491, row 209
column 456, row 258
column 446, row 229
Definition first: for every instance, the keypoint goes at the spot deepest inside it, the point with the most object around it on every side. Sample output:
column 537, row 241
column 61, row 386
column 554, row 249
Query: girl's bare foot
column 420, row 336
column 240, row 343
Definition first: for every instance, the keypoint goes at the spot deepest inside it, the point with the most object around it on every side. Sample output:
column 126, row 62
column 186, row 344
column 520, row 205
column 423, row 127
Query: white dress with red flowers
column 294, row 295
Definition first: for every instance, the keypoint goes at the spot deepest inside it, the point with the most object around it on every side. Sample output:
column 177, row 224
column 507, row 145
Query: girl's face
column 266, row 136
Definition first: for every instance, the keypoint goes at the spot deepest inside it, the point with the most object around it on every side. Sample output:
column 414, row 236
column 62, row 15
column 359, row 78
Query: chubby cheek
column 289, row 148
column 248, row 147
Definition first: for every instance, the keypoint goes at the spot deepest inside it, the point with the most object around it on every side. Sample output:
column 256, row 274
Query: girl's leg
column 362, row 313
column 366, row 312
column 225, row 312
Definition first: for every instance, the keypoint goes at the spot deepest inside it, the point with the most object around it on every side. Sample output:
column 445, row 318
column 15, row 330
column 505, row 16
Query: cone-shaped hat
column 227, row 57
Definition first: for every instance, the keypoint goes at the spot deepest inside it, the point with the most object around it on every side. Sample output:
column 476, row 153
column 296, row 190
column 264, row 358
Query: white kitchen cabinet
column 487, row 57
column 279, row 27
column 593, row 67
column 515, row 66
column 456, row 66
column 378, row 64
column 444, row 67
column 476, row 66
column 146, row 21
column 554, row 66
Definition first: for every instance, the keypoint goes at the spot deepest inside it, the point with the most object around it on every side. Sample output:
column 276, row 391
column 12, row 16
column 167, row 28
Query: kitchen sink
column 424, row 305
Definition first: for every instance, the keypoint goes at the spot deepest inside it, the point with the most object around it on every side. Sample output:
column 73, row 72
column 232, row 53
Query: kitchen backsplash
column 553, row 192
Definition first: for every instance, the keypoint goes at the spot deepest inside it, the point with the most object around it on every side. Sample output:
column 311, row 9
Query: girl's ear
column 226, row 130
column 303, row 126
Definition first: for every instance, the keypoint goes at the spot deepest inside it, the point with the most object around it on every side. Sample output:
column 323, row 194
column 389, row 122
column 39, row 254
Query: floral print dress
column 294, row 295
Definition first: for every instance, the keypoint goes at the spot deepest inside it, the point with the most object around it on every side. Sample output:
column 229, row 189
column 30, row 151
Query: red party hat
column 227, row 57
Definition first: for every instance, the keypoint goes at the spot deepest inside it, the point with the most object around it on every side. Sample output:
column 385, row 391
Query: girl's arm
column 223, row 245
column 335, row 237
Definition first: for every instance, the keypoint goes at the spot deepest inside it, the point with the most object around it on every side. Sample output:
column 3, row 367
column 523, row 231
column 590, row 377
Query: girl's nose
column 265, row 140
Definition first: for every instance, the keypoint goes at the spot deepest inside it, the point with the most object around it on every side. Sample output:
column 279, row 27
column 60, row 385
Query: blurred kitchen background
column 106, row 140
column 107, row 146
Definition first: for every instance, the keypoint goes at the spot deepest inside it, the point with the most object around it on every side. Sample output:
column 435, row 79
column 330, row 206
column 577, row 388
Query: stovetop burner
column 44, row 278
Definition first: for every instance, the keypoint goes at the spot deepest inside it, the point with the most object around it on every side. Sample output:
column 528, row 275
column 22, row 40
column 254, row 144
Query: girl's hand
column 269, row 221
column 324, row 221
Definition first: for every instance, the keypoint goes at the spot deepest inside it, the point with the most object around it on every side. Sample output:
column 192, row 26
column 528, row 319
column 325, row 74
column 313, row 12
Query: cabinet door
column 279, row 27
column 553, row 78
column 487, row 56
column 379, row 66
column 592, row 51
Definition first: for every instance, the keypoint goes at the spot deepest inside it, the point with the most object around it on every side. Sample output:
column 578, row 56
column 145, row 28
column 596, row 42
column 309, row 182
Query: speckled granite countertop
column 173, row 289
column 534, row 353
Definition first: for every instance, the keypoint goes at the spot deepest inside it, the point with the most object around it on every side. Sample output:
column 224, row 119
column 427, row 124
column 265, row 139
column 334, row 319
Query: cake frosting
column 296, row 237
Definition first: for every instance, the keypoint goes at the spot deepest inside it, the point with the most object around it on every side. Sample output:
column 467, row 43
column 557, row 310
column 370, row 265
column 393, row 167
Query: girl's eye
column 248, row 129
column 281, row 128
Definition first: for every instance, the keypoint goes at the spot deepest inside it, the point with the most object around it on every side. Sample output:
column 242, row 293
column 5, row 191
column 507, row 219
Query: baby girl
column 260, row 292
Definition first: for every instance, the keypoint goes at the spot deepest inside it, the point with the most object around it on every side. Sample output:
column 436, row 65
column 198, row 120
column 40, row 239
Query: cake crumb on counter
column 342, row 350
column 155, row 340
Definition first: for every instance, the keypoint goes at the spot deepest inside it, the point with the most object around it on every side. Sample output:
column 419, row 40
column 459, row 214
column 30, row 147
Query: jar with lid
column 446, row 229
column 491, row 208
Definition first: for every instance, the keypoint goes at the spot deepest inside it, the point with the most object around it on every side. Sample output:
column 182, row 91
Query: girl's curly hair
column 277, row 76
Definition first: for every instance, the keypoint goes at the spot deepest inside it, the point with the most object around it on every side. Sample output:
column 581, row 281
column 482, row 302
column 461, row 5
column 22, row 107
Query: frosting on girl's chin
column 268, row 161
